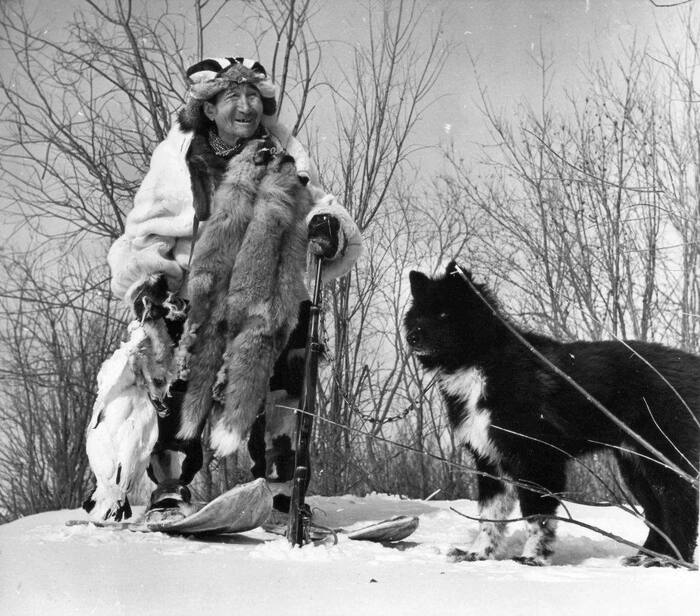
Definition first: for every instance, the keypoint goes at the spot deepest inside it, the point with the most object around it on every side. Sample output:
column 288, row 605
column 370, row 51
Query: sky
column 500, row 35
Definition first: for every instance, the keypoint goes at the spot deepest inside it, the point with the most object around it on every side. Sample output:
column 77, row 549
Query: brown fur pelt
column 245, row 287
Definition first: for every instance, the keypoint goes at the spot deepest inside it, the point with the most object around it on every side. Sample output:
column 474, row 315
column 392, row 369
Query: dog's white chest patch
column 468, row 386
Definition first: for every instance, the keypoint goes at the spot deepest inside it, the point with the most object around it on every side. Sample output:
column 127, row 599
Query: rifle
column 297, row 526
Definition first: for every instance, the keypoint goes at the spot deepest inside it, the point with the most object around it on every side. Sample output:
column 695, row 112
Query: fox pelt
column 124, row 425
column 245, row 285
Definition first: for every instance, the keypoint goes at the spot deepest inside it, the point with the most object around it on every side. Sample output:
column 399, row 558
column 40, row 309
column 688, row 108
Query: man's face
column 236, row 112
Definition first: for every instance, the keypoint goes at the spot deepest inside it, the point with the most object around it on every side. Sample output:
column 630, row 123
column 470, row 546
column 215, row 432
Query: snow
column 47, row 567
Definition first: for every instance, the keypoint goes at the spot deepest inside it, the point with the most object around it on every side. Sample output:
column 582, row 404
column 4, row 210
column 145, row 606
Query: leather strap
column 195, row 228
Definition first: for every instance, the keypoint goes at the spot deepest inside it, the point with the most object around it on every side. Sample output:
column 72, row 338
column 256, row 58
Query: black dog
column 522, row 419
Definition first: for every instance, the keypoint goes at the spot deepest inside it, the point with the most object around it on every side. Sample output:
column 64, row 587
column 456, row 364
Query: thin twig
column 595, row 529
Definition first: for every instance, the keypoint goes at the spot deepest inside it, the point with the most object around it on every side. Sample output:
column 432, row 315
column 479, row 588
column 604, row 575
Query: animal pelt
column 124, row 428
column 245, row 287
column 158, row 230
column 212, row 261
column 522, row 420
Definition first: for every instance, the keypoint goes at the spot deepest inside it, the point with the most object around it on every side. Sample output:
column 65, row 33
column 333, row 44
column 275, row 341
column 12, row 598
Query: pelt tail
column 204, row 347
column 252, row 354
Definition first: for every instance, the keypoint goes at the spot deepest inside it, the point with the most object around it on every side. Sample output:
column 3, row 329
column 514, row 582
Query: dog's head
column 449, row 316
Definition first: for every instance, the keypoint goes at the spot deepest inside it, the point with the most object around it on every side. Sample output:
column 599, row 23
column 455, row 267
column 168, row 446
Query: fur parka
column 158, row 230
column 245, row 278
column 246, row 282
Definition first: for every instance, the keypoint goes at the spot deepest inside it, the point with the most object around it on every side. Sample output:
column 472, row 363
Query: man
column 216, row 155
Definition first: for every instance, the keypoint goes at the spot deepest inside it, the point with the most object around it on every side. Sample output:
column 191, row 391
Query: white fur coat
column 158, row 230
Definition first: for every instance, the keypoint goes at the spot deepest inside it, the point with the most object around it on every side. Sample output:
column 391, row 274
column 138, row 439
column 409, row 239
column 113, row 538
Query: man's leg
column 272, row 438
column 174, row 462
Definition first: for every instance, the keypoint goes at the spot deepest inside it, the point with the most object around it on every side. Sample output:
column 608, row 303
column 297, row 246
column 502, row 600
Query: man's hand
column 324, row 231
column 148, row 299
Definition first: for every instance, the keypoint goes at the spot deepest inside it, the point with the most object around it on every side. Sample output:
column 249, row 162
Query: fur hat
column 213, row 75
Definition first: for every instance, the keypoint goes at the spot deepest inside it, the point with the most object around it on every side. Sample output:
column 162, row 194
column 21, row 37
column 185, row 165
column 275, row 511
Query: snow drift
column 49, row 568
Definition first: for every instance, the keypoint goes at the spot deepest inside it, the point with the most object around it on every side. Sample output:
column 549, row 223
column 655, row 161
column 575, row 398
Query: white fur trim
column 159, row 227
column 131, row 260
column 158, row 230
column 350, row 241
column 163, row 204
column 292, row 146
column 223, row 441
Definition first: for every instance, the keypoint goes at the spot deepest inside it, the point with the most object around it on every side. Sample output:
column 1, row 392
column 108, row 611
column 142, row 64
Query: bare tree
column 595, row 208
column 56, row 329
column 386, row 89
column 676, row 159
column 582, row 205
column 80, row 118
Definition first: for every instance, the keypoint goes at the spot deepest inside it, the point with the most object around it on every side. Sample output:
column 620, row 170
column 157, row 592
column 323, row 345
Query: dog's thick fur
column 245, row 287
column 523, row 421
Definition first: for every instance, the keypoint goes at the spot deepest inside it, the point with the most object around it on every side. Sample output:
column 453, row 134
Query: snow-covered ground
column 50, row 569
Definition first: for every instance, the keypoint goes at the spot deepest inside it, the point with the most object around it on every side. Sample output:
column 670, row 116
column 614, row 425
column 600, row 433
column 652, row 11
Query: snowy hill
column 50, row 569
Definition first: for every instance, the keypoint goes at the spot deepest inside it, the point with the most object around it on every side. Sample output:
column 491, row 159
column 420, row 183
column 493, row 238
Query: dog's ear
column 419, row 282
column 457, row 270
column 451, row 267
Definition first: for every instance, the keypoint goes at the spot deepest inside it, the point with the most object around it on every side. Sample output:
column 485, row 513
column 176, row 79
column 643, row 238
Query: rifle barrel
column 305, row 420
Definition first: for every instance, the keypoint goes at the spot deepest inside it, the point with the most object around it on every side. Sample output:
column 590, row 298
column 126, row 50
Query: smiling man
column 236, row 112
column 223, row 148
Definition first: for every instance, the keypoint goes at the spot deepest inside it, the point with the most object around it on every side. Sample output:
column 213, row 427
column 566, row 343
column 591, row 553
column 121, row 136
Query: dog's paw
column 644, row 560
column 633, row 561
column 531, row 561
column 455, row 555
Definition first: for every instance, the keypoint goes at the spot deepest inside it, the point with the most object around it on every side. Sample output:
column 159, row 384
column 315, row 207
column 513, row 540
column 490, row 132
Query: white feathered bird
column 124, row 424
